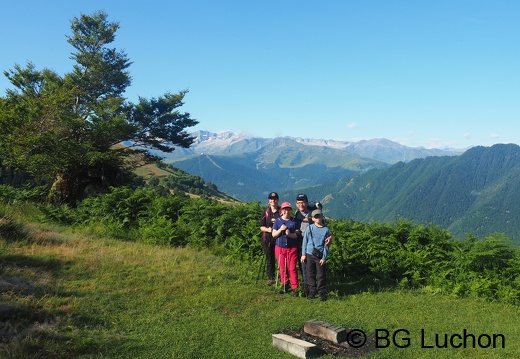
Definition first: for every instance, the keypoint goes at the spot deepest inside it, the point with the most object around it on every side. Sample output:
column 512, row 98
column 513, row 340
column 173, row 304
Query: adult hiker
column 303, row 220
column 271, row 213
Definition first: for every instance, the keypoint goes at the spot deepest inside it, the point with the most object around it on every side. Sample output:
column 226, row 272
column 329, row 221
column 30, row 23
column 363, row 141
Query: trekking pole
column 277, row 273
column 285, row 272
column 263, row 264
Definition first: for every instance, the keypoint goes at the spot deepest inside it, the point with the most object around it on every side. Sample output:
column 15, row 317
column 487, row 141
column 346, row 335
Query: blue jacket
column 314, row 237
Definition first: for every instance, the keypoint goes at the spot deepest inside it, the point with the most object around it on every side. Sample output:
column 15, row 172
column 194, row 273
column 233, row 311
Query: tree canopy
column 66, row 129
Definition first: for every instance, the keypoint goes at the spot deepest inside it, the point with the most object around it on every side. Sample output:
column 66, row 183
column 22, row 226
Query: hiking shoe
column 295, row 293
column 305, row 290
column 323, row 297
column 270, row 282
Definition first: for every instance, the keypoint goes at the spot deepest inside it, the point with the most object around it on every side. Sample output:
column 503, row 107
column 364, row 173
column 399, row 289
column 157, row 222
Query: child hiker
column 286, row 249
column 315, row 253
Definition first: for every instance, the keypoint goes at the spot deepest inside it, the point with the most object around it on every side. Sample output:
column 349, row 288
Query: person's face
column 302, row 205
column 286, row 212
column 317, row 218
column 273, row 202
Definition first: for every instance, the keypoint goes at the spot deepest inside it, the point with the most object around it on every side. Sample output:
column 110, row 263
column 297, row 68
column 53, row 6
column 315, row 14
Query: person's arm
column 263, row 225
column 304, row 245
column 291, row 235
column 325, row 247
column 277, row 232
column 266, row 229
column 328, row 240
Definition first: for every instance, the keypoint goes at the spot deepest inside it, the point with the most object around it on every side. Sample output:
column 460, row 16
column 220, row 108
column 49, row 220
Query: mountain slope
column 475, row 192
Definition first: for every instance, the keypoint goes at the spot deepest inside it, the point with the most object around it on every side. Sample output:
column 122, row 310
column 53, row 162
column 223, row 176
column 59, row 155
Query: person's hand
column 328, row 240
column 303, row 259
column 322, row 262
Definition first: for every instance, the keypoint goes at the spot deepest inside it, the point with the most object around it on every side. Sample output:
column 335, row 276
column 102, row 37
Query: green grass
column 67, row 295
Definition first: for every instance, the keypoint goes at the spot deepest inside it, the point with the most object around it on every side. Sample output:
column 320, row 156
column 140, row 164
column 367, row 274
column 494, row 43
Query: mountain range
column 471, row 191
column 248, row 168
column 230, row 143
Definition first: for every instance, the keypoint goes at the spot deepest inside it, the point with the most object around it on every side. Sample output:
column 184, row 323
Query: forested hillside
column 476, row 192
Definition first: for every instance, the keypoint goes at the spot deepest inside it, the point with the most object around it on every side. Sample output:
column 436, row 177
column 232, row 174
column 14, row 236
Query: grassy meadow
column 67, row 294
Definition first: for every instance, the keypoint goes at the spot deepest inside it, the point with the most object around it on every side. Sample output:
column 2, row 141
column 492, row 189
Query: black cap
column 273, row 195
column 302, row 197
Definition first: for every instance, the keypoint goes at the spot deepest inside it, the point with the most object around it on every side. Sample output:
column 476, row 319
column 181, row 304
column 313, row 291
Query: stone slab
column 325, row 331
column 295, row 346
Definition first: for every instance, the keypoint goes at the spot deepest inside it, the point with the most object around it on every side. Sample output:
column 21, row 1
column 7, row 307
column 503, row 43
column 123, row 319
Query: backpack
column 314, row 205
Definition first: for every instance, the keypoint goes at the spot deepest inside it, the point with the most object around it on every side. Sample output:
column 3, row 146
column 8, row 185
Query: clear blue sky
column 439, row 73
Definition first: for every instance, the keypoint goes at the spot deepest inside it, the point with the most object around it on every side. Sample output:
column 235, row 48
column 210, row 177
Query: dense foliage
column 67, row 129
column 374, row 255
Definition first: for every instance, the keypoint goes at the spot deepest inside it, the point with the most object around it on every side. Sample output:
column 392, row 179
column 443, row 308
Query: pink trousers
column 287, row 262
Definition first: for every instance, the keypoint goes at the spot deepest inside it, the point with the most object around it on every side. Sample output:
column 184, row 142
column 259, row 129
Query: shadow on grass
column 344, row 286
column 36, row 318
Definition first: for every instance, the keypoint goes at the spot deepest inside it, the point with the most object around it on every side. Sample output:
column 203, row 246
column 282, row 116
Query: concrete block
column 325, row 331
column 294, row 346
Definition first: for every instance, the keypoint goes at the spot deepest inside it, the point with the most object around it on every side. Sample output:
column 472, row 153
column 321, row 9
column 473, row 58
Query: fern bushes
column 392, row 254
column 382, row 255
column 487, row 267
column 147, row 216
column 405, row 255
column 385, row 255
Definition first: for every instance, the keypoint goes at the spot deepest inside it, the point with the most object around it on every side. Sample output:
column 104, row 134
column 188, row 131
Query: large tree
column 66, row 129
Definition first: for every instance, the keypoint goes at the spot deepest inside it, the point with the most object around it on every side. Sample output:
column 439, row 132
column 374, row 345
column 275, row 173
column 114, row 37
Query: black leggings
column 269, row 258
column 318, row 272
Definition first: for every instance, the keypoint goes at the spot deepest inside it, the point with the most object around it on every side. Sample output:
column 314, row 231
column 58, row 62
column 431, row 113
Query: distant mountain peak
column 380, row 149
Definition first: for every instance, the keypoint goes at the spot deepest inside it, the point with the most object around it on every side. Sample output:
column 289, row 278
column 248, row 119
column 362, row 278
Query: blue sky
column 421, row 73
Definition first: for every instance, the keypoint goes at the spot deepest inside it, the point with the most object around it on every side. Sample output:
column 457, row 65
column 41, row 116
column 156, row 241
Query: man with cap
column 303, row 219
column 266, row 226
column 286, row 249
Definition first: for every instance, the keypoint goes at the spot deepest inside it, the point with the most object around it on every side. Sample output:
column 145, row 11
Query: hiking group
column 300, row 241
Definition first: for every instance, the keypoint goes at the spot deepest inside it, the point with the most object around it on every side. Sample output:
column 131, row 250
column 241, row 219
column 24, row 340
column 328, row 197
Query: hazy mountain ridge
column 230, row 143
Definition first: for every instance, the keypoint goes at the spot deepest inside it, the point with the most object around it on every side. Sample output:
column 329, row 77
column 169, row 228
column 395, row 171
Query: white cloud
column 352, row 125
column 494, row 135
